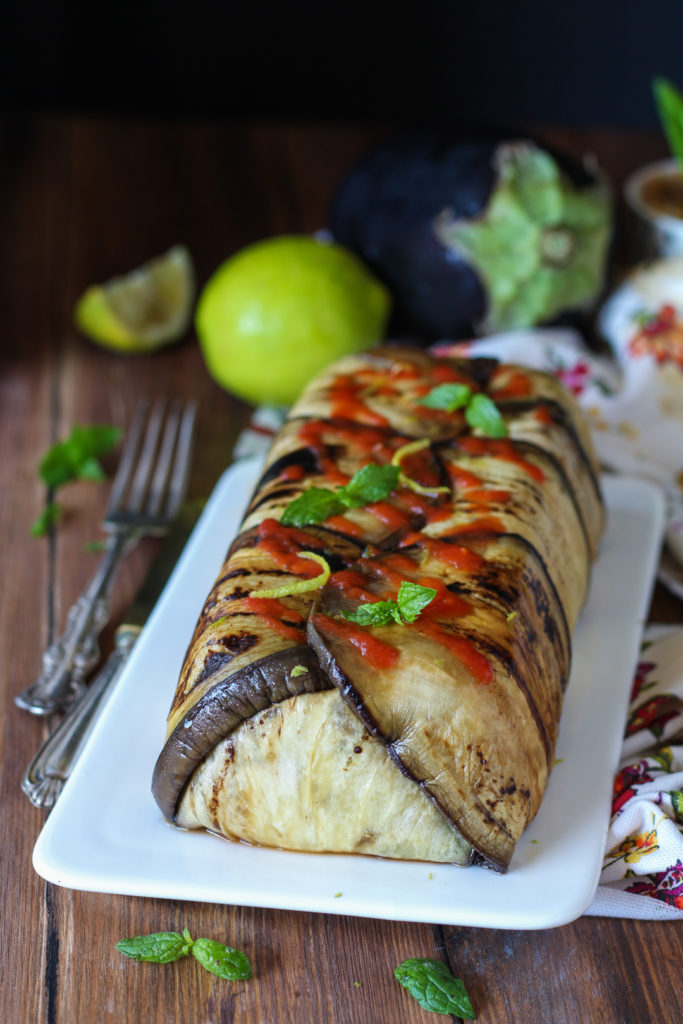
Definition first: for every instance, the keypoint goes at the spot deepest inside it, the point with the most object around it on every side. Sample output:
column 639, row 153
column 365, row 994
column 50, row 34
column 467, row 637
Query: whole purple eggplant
column 476, row 232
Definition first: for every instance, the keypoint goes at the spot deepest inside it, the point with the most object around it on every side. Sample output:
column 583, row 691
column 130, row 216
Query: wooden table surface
column 81, row 200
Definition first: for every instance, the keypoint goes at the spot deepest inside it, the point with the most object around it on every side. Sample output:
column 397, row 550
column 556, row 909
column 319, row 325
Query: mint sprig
column 369, row 484
column 669, row 102
column 480, row 411
column 77, row 457
column 483, row 414
column 157, row 948
column 167, row 947
column 231, row 964
column 431, row 983
column 448, row 397
column 410, row 602
column 48, row 517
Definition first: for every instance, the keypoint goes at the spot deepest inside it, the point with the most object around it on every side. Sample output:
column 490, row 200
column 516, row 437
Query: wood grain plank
column 32, row 172
column 81, row 200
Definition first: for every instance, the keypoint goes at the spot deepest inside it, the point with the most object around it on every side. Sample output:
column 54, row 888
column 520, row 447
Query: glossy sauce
column 283, row 544
column 376, row 652
column 500, row 449
column 273, row 612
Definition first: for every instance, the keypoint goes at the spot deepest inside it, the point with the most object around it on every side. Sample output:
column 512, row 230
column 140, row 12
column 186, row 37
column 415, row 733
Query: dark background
column 539, row 61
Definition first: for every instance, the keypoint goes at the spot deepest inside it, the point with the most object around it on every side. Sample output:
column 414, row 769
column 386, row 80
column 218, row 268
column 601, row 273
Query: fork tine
column 128, row 457
column 181, row 465
column 147, row 455
column 161, row 473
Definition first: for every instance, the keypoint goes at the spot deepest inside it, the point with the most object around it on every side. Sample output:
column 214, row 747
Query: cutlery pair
column 148, row 489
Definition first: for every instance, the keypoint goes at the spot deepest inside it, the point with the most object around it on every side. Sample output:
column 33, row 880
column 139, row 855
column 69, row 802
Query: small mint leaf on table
column 482, row 414
column 225, row 962
column 78, row 455
column 448, row 397
column 47, row 518
column 431, row 983
column 157, row 948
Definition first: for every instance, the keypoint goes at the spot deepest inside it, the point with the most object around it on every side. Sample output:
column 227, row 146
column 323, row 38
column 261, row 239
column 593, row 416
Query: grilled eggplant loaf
column 299, row 724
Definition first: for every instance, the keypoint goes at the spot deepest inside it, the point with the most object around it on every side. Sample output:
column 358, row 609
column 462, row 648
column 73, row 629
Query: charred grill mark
column 548, row 617
column 281, row 494
column 237, row 643
column 561, row 418
column 213, row 664
column 544, row 455
column 233, row 574
column 481, row 369
column 305, row 458
column 486, row 581
column 510, row 666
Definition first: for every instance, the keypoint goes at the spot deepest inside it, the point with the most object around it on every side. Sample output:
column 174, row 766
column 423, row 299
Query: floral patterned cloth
column 642, row 873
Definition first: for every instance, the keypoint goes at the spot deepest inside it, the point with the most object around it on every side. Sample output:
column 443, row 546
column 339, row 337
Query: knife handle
column 68, row 660
column 50, row 768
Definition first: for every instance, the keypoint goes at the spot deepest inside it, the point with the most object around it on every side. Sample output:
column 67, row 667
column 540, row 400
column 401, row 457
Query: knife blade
column 50, row 768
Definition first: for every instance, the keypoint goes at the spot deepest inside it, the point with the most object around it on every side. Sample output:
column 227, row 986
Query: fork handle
column 68, row 660
column 50, row 768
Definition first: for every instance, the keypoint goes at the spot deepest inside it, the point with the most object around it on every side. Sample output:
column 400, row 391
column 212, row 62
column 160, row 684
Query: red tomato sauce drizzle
column 283, row 544
column 500, row 449
column 375, row 651
column 516, row 384
column 273, row 612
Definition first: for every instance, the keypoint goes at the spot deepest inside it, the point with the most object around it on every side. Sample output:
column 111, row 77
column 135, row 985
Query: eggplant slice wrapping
column 294, row 726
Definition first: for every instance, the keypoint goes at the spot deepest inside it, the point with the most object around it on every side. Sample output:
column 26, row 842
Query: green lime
column 148, row 308
column 277, row 312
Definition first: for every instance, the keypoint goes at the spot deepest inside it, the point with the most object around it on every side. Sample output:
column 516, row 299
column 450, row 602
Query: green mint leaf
column 669, row 102
column 377, row 613
column 431, row 983
column 47, row 518
column 91, row 469
column 483, row 414
column 77, row 455
column 93, row 547
column 157, row 948
column 448, row 396
column 227, row 963
column 412, row 598
column 371, row 483
column 313, row 506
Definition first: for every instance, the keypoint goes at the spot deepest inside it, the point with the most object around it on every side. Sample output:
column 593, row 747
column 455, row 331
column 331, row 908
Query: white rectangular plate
column 106, row 834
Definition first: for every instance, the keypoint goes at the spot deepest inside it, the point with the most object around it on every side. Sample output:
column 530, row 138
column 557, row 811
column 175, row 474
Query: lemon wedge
column 144, row 310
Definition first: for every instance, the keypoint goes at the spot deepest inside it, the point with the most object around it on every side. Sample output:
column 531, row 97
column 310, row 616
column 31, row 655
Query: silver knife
column 50, row 768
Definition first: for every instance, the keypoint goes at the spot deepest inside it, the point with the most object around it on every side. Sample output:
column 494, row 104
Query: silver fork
column 149, row 485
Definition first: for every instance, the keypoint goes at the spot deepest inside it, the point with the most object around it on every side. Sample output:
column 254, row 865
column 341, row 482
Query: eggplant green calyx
column 540, row 245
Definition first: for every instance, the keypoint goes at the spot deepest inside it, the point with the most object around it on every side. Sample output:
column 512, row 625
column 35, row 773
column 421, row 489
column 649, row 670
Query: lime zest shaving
column 300, row 586
column 410, row 449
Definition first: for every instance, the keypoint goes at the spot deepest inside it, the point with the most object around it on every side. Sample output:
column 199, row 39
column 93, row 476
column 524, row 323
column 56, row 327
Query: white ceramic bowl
column 658, row 234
